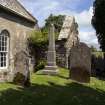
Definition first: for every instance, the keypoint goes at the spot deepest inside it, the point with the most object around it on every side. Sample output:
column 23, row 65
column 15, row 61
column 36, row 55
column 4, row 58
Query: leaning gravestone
column 22, row 74
column 80, row 63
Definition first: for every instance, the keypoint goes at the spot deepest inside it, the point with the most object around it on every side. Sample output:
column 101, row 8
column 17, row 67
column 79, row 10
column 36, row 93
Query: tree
column 98, row 21
column 56, row 20
column 38, row 41
column 93, row 49
column 37, row 38
column 40, row 38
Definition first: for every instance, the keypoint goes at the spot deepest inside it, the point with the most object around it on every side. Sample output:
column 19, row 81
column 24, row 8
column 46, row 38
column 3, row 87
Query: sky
column 82, row 10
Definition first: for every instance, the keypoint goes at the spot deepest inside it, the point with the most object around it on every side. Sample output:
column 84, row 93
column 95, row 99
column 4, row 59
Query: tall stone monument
column 51, row 68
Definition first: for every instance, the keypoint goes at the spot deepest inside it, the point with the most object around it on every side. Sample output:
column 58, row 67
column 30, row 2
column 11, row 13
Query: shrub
column 37, row 38
column 98, row 65
column 19, row 78
column 41, row 64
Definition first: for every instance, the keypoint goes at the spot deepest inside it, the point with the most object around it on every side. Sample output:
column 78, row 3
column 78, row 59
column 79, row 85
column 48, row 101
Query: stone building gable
column 15, row 7
column 66, row 28
column 68, row 37
column 69, row 32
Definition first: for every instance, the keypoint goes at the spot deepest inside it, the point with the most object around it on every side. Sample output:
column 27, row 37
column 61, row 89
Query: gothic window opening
column 4, row 48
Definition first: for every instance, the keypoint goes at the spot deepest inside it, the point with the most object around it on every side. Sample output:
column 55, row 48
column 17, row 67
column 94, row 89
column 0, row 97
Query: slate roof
column 66, row 28
column 14, row 6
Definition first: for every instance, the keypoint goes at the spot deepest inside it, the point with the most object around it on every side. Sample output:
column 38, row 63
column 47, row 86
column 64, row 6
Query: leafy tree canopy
column 40, row 38
column 93, row 49
column 98, row 21
column 56, row 20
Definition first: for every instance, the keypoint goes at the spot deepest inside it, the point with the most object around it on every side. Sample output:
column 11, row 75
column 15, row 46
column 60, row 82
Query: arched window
column 4, row 48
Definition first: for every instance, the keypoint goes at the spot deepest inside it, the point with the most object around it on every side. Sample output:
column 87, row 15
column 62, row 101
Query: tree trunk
column 104, row 60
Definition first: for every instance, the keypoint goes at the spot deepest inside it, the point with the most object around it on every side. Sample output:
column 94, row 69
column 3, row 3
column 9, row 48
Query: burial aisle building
column 68, row 38
column 15, row 25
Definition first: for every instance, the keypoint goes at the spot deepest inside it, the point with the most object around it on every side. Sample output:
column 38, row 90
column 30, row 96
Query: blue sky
column 80, row 9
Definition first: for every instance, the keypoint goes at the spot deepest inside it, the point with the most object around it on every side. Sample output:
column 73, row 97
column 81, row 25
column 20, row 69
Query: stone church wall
column 19, row 30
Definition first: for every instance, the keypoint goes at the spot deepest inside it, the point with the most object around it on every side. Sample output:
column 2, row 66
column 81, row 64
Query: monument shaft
column 51, row 67
column 51, row 56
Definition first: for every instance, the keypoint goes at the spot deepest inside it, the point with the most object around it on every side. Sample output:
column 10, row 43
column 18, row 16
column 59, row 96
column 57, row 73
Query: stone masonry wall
column 19, row 32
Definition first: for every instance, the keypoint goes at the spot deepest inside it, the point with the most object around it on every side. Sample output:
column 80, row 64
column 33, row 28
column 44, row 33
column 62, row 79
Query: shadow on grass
column 60, row 76
column 98, row 66
column 63, row 77
column 71, row 94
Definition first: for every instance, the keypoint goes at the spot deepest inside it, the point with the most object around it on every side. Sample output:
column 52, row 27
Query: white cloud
column 84, row 18
column 41, row 9
column 86, row 32
column 89, row 38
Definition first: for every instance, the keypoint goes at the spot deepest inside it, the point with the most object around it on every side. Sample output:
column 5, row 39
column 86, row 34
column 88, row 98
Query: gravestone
column 51, row 68
column 80, row 63
column 22, row 74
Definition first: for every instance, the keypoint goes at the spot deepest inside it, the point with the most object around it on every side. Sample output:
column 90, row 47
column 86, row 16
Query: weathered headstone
column 22, row 74
column 51, row 67
column 80, row 63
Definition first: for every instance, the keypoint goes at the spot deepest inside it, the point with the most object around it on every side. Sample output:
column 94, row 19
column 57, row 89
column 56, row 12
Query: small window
column 4, row 47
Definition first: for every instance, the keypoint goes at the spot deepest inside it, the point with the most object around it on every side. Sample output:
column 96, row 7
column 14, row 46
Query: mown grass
column 54, row 90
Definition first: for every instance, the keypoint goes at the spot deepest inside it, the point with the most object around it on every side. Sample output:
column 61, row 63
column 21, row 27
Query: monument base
column 50, row 70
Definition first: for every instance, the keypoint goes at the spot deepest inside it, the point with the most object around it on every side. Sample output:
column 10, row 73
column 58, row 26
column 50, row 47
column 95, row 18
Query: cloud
column 41, row 9
column 84, row 18
column 86, row 32
column 89, row 38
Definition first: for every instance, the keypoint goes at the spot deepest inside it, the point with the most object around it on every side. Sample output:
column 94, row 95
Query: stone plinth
column 50, row 70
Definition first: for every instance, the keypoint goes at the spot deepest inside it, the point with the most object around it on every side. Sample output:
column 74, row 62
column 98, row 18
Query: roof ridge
column 16, row 7
column 26, row 10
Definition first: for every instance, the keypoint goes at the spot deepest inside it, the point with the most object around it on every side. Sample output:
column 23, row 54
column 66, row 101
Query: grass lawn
column 54, row 90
